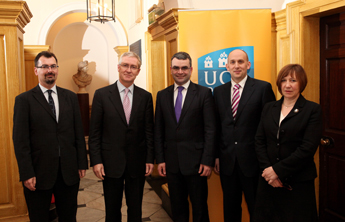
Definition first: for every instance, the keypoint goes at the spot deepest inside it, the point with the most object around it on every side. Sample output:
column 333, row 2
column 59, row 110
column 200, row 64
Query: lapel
column 188, row 100
column 246, row 94
column 62, row 96
column 297, row 108
column 276, row 110
column 135, row 104
column 170, row 101
column 114, row 97
column 39, row 96
column 226, row 93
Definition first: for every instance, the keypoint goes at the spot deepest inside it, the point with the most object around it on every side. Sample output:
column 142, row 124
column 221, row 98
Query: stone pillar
column 120, row 50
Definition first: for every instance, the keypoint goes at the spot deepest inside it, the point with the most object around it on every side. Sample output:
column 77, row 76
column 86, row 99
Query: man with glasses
column 49, row 144
column 185, row 129
column 121, row 140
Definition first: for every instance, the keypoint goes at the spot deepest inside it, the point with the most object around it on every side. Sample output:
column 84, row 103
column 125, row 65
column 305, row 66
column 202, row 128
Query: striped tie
column 127, row 105
column 235, row 99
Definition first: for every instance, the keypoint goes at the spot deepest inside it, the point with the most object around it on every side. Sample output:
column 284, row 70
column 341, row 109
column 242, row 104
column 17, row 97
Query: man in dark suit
column 239, row 104
column 185, row 130
column 49, row 144
column 121, row 140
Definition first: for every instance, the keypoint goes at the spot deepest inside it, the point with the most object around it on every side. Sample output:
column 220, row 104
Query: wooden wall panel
column 14, row 15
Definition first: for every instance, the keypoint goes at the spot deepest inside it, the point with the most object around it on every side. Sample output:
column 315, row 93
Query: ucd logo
column 211, row 67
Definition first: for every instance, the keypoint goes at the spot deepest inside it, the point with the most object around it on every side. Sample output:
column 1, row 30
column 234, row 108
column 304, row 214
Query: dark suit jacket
column 237, row 140
column 292, row 155
column 186, row 144
column 114, row 143
column 37, row 138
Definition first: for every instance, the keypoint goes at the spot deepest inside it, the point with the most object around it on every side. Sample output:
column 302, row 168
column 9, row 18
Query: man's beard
column 50, row 81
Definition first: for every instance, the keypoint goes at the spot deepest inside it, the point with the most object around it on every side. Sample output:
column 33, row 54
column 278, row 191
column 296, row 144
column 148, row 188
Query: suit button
column 277, row 144
column 278, row 159
column 236, row 143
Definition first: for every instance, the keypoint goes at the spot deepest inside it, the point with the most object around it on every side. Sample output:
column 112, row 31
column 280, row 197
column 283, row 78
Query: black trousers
column 180, row 186
column 38, row 201
column 233, row 186
column 113, row 194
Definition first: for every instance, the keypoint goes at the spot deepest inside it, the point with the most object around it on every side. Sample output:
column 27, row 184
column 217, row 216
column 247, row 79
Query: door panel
column 332, row 94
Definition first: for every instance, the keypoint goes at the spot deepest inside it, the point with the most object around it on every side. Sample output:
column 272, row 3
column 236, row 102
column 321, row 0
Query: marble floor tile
column 85, row 197
column 161, row 216
column 85, row 182
column 90, row 175
column 96, row 188
column 151, row 197
column 85, row 214
column 149, row 209
column 103, row 220
column 97, row 204
column 92, row 207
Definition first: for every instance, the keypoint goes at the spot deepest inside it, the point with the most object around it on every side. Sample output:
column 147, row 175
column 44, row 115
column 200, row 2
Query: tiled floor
column 91, row 202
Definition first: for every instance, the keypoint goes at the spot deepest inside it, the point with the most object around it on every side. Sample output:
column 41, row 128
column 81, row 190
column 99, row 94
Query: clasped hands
column 271, row 177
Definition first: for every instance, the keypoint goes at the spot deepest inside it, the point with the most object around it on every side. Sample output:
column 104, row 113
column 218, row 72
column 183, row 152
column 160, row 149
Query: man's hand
column 98, row 170
column 205, row 170
column 161, row 170
column 81, row 173
column 216, row 166
column 30, row 183
column 149, row 169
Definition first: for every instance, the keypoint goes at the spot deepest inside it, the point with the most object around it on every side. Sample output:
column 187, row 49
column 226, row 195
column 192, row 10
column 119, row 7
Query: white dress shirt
column 122, row 92
column 55, row 98
column 184, row 92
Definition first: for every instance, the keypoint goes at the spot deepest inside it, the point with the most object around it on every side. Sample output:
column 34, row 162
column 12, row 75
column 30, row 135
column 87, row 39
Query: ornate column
column 120, row 50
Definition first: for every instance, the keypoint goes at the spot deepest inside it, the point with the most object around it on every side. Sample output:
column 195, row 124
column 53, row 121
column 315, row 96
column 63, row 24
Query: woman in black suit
column 286, row 141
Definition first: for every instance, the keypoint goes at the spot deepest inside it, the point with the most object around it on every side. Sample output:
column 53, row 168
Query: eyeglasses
column 126, row 66
column 46, row 67
column 183, row 68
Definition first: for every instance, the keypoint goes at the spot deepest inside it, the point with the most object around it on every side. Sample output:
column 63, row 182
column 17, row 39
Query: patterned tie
column 178, row 103
column 127, row 105
column 51, row 101
column 235, row 99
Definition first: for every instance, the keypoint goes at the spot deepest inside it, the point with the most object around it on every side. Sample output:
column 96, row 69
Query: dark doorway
column 332, row 95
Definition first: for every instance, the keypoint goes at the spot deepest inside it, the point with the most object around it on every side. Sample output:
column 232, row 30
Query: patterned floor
column 91, row 202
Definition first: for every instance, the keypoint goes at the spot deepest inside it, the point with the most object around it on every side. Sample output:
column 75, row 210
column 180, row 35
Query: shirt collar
column 44, row 89
column 241, row 83
column 186, row 85
column 122, row 87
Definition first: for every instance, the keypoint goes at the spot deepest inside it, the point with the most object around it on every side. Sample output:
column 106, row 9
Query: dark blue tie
column 51, row 101
column 178, row 103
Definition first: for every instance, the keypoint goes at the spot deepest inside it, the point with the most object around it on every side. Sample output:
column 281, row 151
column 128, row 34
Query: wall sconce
column 101, row 11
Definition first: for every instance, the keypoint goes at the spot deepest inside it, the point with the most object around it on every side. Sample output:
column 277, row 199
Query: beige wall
column 45, row 29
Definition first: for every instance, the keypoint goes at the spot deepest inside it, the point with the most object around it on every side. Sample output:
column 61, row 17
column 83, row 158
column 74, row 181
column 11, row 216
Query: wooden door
column 332, row 95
